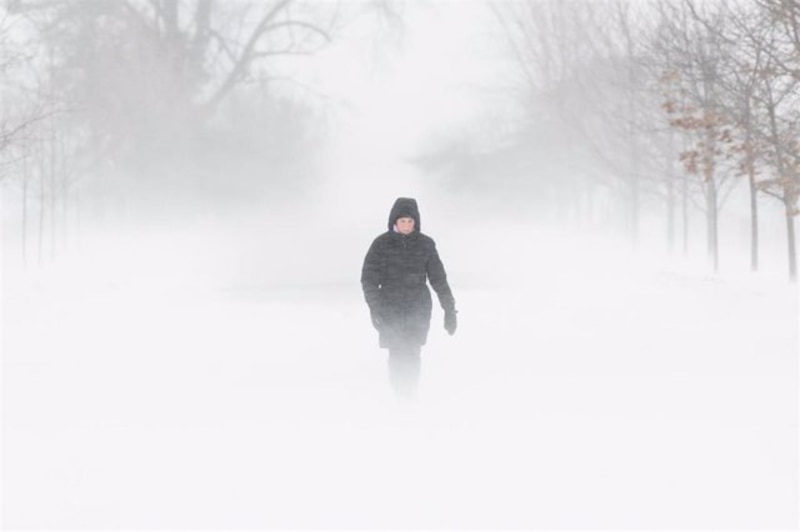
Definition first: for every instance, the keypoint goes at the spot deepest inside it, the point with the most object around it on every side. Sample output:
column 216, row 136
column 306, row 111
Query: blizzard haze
column 185, row 342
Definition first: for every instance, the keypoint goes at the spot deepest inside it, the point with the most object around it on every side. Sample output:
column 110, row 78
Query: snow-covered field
column 179, row 381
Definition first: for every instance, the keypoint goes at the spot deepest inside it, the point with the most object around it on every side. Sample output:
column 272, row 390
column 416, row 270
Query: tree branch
column 242, row 64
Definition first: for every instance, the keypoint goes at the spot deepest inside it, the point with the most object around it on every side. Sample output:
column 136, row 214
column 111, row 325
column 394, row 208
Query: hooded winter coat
column 394, row 279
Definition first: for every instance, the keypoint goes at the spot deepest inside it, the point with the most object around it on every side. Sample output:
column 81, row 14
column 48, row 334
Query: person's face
column 405, row 225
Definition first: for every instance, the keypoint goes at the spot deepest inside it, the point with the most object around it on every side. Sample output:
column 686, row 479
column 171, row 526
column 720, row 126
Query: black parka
column 394, row 279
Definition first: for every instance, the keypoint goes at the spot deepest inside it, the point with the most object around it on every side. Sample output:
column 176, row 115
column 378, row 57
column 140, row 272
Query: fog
column 186, row 345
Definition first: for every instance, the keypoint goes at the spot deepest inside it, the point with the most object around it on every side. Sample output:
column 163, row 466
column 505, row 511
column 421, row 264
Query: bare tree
column 779, row 97
column 696, row 106
column 737, row 76
column 21, row 115
column 139, row 81
column 760, row 84
column 137, row 97
column 782, row 135
column 554, row 60
column 598, row 59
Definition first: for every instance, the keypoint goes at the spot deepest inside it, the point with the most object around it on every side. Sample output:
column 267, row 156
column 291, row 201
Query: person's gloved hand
column 376, row 319
column 450, row 321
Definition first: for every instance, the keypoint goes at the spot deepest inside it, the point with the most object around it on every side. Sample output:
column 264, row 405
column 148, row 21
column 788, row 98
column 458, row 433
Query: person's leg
column 404, row 369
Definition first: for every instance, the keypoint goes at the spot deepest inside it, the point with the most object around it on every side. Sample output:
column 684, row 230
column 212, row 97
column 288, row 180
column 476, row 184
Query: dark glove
column 450, row 321
column 376, row 320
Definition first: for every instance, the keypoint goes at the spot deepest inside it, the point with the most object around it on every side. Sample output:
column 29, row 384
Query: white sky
column 417, row 82
column 396, row 93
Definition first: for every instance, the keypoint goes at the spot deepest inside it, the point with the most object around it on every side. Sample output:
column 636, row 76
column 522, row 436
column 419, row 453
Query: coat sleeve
column 371, row 275
column 438, row 279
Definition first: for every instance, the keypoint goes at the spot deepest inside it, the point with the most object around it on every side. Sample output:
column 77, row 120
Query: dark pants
column 404, row 370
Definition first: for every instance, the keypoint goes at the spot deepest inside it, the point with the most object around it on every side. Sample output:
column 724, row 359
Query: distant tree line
column 122, row 103
column 674, row 101
column 155, row 103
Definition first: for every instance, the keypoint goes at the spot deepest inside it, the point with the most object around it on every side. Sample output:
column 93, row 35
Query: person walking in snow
column 394, row 279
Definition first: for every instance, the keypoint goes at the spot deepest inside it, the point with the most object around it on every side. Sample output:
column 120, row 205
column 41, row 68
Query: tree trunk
column 753, row 220
column 789, row 193
column 635, row 208
column 53, row 190
column 712, row 223
column 671, row 209
column 750, row 158
column 685, row 213
column 24, row 205
column 63, row 173
column 791, row 240
column 42, row 204
column 712, row 203
column 24, row 221
column 77, row 231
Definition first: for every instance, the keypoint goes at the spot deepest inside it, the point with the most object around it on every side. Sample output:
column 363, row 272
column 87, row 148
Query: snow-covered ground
column 187, row 381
